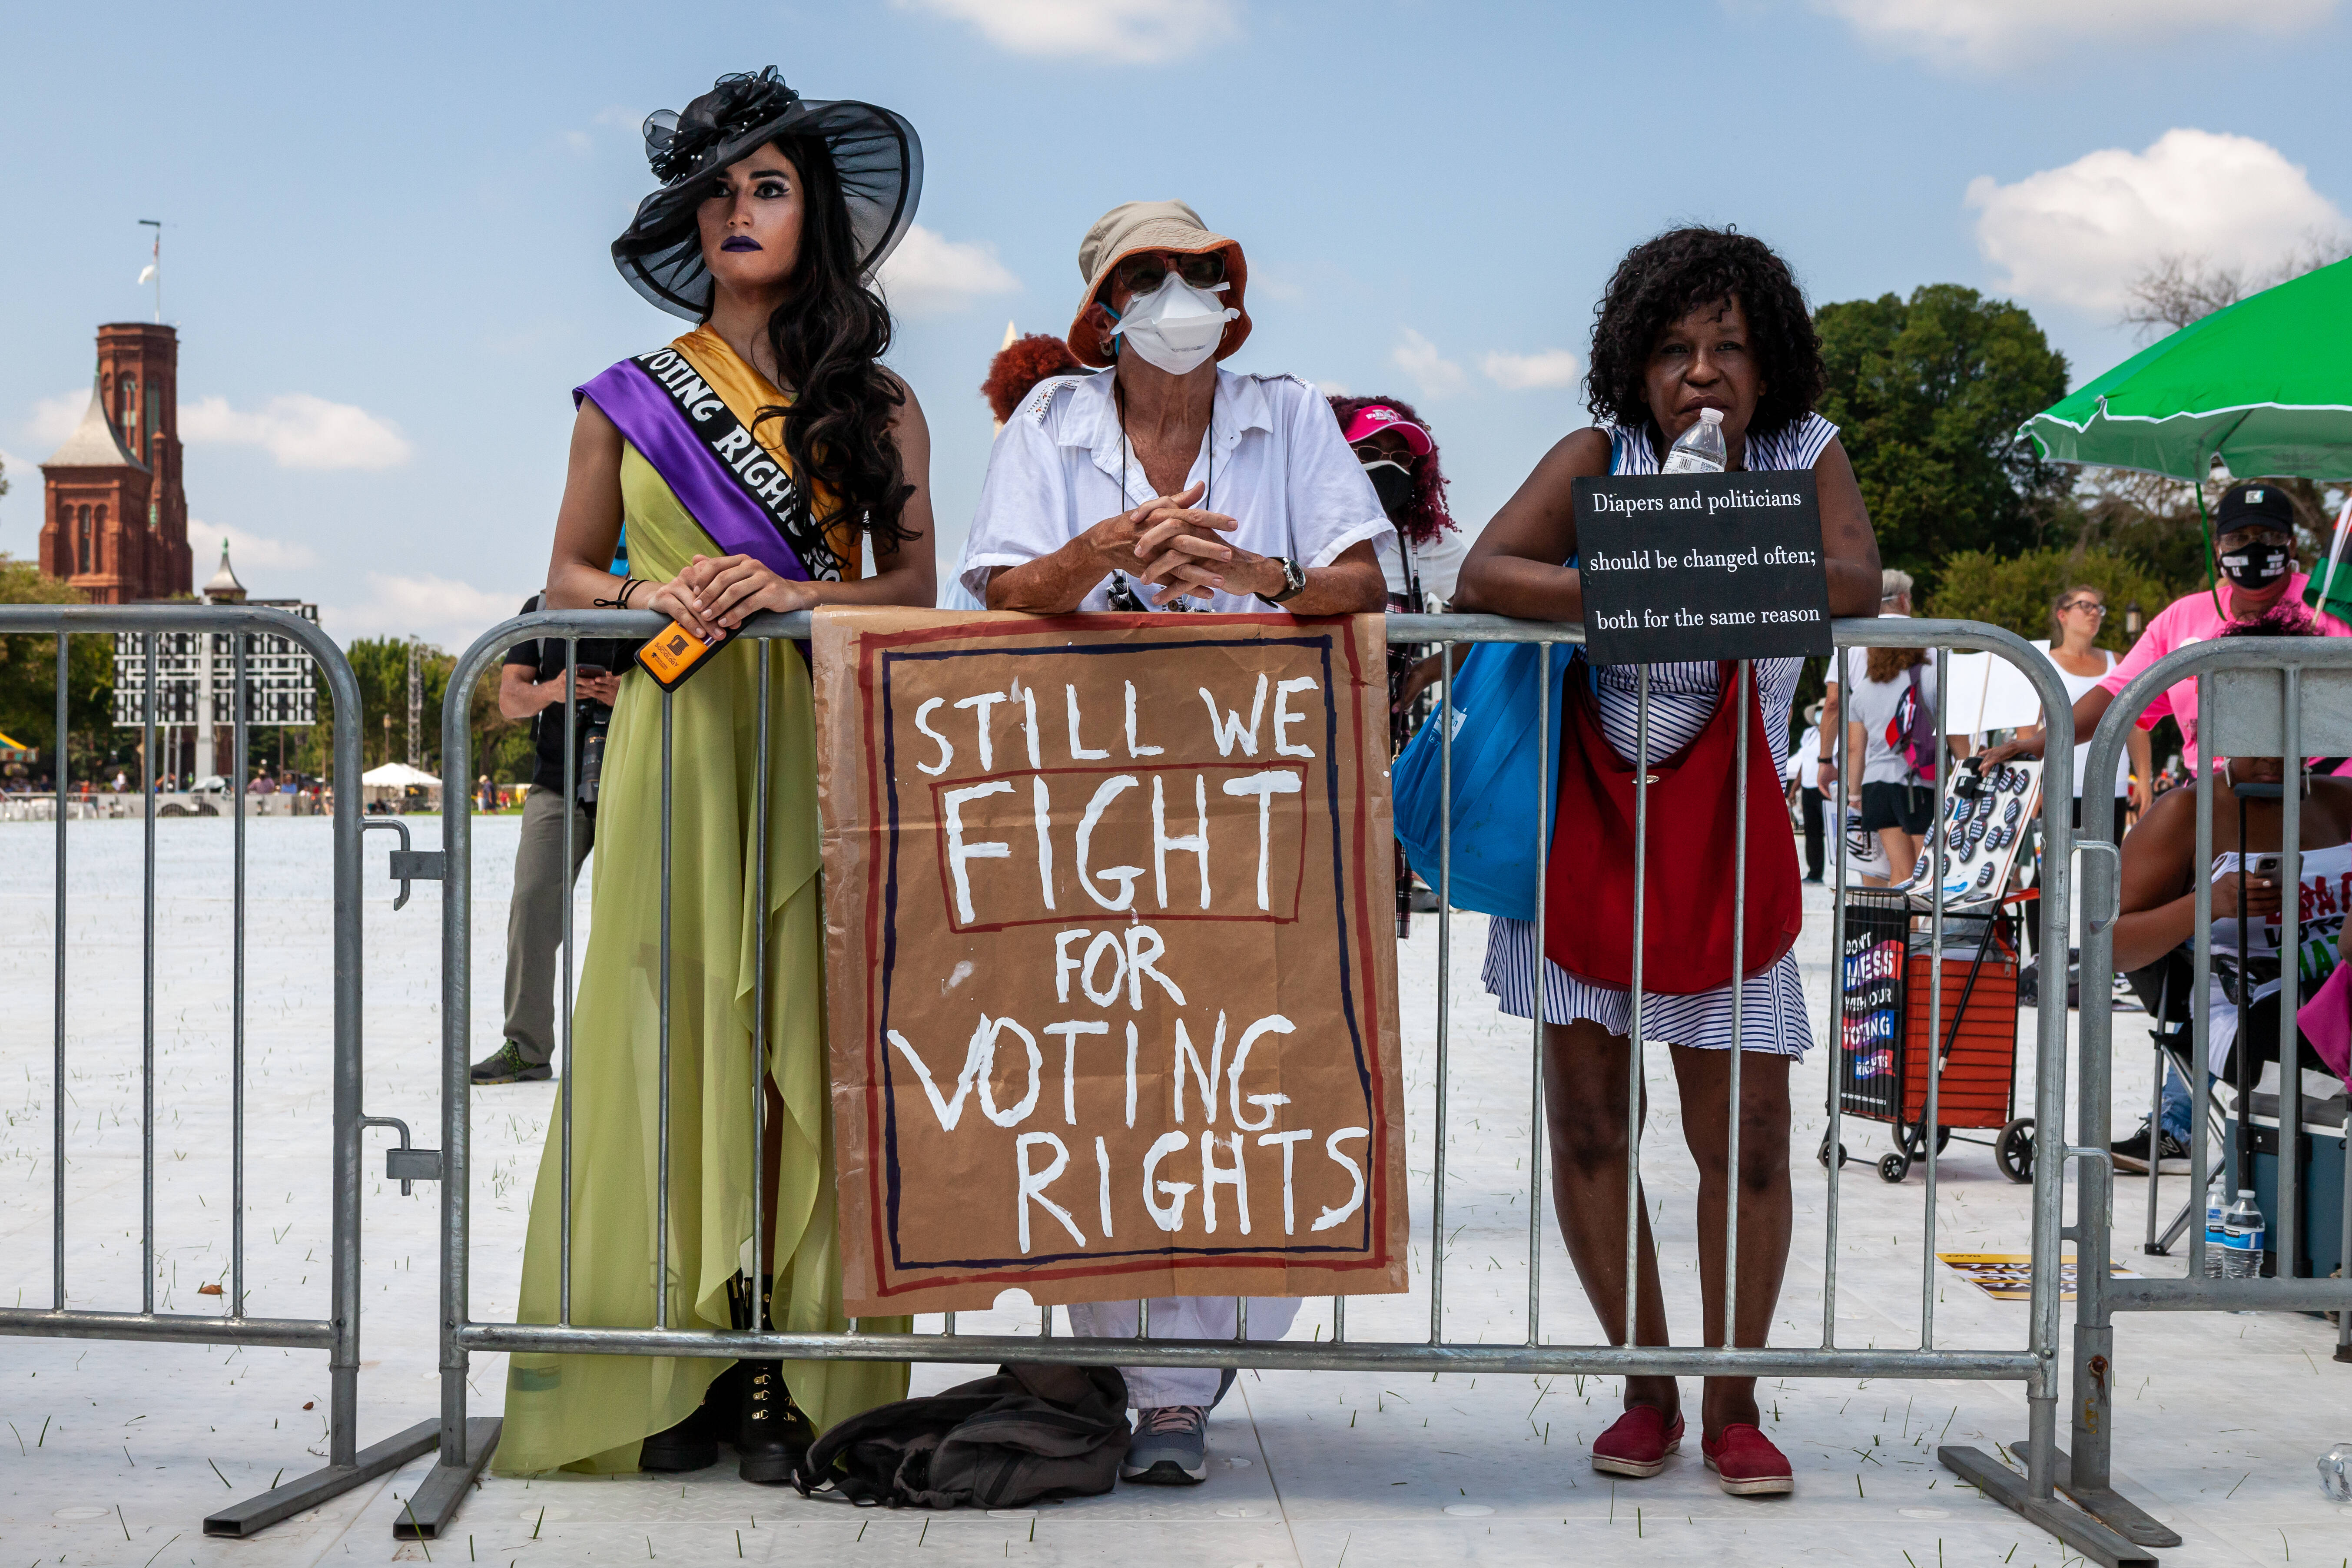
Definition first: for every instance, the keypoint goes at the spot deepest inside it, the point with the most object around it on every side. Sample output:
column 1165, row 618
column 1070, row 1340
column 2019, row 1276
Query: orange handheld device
column 674, row 655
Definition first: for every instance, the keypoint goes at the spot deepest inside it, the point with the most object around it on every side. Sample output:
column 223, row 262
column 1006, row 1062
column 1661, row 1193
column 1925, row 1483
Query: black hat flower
column 875, row 153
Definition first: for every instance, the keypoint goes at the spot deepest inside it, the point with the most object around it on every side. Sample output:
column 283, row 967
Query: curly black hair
column 1666, row 278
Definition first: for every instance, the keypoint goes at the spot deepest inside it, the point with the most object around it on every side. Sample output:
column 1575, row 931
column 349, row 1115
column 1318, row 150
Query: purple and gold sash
column 741, row 490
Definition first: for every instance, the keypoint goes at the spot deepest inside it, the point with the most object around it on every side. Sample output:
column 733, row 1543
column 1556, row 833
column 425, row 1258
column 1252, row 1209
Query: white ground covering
column 115, row 1451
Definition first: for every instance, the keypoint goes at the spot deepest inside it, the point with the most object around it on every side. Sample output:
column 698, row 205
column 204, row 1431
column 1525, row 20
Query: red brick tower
column 116, row 519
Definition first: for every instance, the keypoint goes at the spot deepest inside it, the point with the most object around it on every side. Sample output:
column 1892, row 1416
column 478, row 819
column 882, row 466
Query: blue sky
column 387, row 251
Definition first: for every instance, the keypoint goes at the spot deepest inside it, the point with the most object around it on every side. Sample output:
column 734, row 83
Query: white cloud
column 248, row 552
column 1544, row 370
column 2080, row 234
column 54, row 418
column 448, row 614
column 299, row 431
column 1332, row 388
column 930, row 275
column 1419, row 358
column 1127, row 31
column 1991, row 33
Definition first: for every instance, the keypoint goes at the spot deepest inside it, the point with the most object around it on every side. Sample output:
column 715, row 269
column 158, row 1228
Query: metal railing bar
column 1738, row 1000
column 661, row 1193
column 1928, row 1120
column 760, row 771
column 2202, row 982
column 2287, row 1236
column 236, row 997
column 1444, row 992
column 1633, row 1062
column 1269, row 1355
column 1542, row 973
column 147, row 1000
column 179, row 1328
column 57, row 1017
column 1833, row 1141
column 564, row 1011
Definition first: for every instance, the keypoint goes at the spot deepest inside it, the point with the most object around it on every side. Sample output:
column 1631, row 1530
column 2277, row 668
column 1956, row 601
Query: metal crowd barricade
column 2256, row 696
column 467, row 1442
column 338, row 1333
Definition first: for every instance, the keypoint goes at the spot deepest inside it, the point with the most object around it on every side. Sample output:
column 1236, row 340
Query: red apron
column 1687, row 914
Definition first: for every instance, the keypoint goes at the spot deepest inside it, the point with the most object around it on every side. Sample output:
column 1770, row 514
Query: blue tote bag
column 1498, row 862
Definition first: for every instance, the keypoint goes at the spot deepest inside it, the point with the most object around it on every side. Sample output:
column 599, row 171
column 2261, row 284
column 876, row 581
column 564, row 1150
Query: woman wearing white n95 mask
column 1173, row 484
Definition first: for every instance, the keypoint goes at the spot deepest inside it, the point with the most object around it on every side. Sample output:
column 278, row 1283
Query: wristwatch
column 1294, row 580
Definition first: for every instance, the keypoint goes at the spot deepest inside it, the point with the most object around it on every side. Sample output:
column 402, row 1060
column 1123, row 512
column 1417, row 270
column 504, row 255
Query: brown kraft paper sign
column 1112, row 997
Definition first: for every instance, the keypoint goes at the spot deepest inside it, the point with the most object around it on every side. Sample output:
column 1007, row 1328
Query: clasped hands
column 711, row 596
column 1173, row 547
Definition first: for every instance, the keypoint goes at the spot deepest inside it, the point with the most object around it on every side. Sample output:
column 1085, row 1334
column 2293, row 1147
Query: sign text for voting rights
column 1702, row 566
column 1112, row 999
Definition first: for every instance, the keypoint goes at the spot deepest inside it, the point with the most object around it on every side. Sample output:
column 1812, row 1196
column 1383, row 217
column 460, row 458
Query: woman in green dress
column 753, row 461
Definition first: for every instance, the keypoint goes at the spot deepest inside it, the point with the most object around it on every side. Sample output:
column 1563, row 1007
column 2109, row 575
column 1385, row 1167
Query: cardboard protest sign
column 1112, row 1001
column 1702, row 566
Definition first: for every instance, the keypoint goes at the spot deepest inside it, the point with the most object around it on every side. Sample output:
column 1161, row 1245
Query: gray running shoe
column 1171, row 1447
column 506, row 1065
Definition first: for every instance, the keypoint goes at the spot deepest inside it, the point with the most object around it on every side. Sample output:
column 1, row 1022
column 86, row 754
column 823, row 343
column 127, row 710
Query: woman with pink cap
column 1173, row 484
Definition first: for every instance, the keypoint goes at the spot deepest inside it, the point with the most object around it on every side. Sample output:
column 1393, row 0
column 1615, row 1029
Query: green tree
column 28, row 668
column 380, row 665
column 1929, row 395
column 2015, row 592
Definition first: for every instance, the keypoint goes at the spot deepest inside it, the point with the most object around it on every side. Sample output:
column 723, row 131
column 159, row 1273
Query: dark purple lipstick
column 739, row 242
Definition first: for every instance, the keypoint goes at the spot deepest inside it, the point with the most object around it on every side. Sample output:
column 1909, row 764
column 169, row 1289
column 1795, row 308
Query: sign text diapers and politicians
column 1702, row 566
column 1112, row 995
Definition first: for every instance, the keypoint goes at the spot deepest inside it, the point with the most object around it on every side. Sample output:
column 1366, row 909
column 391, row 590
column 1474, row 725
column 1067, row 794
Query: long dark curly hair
column 1661, row 280
column 1425, row 515
column 829, row 335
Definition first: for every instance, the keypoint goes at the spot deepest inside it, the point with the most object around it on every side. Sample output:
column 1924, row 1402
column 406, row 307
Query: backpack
column 1030, row 1434
column 1911, row 730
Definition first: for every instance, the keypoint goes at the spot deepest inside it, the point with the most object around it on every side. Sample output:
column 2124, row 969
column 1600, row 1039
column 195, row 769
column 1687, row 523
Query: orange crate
column 1982, row 1067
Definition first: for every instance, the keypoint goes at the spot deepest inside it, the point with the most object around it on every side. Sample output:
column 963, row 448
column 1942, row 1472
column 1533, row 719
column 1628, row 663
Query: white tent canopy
column 398, row 775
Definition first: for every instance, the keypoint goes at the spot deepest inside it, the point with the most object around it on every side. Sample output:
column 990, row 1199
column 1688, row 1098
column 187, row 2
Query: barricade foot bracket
column 259, row 1513
column 2069, row 1524
column 2112, row 1509
column 428, row 1513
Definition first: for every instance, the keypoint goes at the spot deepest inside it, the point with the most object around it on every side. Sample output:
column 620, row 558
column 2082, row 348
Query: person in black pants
column 1802, row 772
column 530, row 685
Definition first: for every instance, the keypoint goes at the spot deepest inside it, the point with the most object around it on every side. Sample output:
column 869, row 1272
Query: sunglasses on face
column 2097, row 609
column 2247, row 538
column 1142, row 274
column 1371, row 452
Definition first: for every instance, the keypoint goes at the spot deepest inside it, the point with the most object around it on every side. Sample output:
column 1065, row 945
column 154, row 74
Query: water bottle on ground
column 2336, row 1473
column 1699, row 449
column 2214, row 1240
column 2241, row 1236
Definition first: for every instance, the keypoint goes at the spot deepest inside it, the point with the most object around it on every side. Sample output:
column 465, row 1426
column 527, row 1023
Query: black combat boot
column 771, row 1435
column 692, row 1445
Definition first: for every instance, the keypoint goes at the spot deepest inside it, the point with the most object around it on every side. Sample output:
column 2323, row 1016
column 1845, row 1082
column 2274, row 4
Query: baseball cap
column 2251, row 504
column 1375, row 417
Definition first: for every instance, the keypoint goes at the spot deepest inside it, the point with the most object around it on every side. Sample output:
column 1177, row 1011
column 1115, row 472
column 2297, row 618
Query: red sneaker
column 1637, row 1443
column 1747, row 1462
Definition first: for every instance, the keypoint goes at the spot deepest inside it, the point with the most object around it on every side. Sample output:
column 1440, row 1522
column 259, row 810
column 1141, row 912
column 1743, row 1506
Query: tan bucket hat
column 1132, row 226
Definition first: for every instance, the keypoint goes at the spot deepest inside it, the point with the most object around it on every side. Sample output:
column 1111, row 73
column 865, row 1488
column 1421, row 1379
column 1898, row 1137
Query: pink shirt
column 2192, row 618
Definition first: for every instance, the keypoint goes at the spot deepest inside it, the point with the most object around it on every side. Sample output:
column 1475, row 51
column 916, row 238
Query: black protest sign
column 1702, row 566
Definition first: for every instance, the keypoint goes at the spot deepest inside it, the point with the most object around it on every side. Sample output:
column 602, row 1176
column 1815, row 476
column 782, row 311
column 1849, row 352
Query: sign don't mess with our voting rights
column 1111, row 993
column 1702, row 566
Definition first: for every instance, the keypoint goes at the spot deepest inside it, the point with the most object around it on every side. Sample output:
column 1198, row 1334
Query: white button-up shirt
column 1272, row 457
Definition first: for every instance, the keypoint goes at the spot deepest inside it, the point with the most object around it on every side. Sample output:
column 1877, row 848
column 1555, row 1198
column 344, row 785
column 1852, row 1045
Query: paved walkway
column 114, row 1452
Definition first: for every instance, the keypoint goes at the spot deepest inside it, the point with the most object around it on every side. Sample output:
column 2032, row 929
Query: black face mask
column 1393, row 483
column 2256, row 567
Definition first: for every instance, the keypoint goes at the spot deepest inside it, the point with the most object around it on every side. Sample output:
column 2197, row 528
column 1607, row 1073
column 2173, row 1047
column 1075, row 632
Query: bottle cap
column 1710, row 415
column 2245, row 1192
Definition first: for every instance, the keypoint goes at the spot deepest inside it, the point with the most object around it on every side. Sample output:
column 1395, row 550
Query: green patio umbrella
column 2266, row 385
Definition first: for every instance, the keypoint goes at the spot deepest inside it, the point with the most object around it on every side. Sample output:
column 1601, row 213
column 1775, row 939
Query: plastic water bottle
column 2242, row 1237
column 2214, row 1241
column 1699, row 449
column 2336, row 1473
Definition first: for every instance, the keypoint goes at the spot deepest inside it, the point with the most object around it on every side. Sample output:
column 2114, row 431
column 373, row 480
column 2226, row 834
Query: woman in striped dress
column 1693, row 319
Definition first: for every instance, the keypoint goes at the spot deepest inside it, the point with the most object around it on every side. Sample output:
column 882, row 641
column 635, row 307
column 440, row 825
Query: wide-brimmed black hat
column 876, row 152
